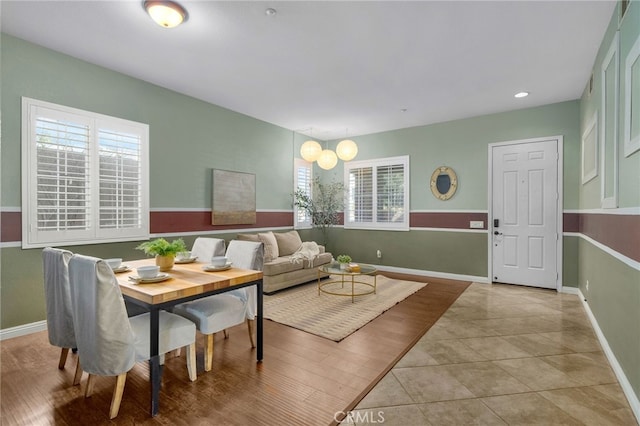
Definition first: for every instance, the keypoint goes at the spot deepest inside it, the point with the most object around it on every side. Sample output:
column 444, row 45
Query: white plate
column 211, row 268
column 162, row 276
column 121, row 268
column 190, row 260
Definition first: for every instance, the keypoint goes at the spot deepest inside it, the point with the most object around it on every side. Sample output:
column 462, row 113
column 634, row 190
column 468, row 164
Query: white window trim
column 29, row 163
column 399, row 226
column 298, row 163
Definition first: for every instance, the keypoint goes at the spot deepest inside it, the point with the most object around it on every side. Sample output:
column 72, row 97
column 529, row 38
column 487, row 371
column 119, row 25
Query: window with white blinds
column 377, row 193
column 302, row 180
column 85, row 177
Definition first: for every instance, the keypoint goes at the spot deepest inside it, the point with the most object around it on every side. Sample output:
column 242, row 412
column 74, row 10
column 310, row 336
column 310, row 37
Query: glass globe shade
column 347, row 150
column 327, row 160
column 310, row 151
column 167, row 14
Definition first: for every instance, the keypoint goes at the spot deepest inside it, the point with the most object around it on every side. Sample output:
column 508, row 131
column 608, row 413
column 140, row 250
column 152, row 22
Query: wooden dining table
column 187, row 282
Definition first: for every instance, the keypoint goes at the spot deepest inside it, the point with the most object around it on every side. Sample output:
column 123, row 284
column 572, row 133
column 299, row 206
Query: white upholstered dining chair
column 205, row 248
column 221, row 311
column 109, row 343
column 58, row 304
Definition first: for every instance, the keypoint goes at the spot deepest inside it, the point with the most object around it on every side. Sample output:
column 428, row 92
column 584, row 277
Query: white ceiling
column 337, row 67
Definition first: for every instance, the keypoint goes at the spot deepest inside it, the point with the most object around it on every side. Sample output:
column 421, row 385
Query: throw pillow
column 288, row 242
column 270, row 246
column 248, row 237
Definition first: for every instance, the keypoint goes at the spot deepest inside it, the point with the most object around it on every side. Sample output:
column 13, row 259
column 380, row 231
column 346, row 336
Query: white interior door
column 524, row 223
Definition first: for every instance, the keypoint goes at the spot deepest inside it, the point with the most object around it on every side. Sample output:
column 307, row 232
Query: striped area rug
column 335, row 317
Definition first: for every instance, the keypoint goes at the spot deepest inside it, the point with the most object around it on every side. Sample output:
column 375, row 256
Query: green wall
column 462, row 145
column 189, row 137
column 614, row 287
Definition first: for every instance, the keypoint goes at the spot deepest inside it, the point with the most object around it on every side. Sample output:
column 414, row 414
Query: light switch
column 476, row 224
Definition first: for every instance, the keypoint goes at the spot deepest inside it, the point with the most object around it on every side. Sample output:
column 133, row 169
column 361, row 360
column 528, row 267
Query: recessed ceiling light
column 521, row 94
column 403, row 110
column 270, row 12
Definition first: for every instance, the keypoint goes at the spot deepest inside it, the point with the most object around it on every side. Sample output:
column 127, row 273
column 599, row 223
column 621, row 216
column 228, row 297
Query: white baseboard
column 634, row 402
column 434, row 274
column 22, row 330
column 570, row 290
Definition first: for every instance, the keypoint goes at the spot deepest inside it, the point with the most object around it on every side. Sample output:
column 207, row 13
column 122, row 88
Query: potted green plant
column 343, row 260
column 323, row 203
column 163, row 250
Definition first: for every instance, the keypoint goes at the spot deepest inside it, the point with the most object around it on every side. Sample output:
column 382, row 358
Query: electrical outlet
column 379, row 254
column 587, row 285
column 476, row 224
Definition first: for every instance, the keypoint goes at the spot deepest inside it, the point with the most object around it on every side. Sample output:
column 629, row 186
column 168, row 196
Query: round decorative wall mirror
column 444, row 183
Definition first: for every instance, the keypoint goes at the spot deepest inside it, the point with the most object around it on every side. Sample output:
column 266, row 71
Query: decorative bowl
column 218, row 260
column 148, row 271
column 114, row 263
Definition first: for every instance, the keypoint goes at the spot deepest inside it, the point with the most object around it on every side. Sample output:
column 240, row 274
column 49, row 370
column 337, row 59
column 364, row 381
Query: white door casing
column 525, row 216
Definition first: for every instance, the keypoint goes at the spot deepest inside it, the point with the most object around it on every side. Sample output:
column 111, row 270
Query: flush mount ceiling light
column 521, row 94
column 167, row 14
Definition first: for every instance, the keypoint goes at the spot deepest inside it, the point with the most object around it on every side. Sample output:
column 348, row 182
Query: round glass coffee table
column 355, row 287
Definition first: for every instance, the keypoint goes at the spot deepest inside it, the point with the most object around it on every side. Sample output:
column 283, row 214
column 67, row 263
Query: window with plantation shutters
column 85, row 177
column 303, row 181
column 377, row 193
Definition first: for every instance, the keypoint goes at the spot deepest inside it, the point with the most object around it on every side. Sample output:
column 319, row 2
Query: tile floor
column 502, row 355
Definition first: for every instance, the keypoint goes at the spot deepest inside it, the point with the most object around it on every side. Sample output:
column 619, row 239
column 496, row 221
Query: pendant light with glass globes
column 312, row 151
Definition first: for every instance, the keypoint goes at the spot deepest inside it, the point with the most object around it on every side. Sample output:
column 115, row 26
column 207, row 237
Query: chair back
column 57, row 297
column 104, row 337
column 206, row 248
column 247, row 255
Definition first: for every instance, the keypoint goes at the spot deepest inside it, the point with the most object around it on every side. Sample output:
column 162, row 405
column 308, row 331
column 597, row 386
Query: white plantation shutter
column 360, row 195
column 120, row 171
column 85, row 177
column 377, row 193
column 390, row 191
column 303, row 179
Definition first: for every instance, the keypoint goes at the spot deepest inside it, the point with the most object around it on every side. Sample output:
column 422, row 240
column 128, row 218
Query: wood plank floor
column 303, row 380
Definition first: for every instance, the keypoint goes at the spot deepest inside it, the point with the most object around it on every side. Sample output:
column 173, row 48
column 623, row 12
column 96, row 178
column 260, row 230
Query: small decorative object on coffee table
column 343, row 260
column 335, row 286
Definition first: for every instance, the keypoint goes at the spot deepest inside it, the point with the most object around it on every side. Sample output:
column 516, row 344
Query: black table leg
column 154, row 361
column 259, row 320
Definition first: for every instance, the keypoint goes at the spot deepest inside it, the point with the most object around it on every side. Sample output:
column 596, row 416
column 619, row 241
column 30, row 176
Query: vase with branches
column 323, row 204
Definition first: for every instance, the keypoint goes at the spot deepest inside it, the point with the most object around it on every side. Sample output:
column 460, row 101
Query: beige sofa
column 287, row 261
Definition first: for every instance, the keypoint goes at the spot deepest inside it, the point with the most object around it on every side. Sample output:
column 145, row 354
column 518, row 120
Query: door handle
column 497, row 233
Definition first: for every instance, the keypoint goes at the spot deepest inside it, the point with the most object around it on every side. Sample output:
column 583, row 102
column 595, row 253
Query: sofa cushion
column 280, row 265
column 270, row 246
column 288, row 242
column 248, row 237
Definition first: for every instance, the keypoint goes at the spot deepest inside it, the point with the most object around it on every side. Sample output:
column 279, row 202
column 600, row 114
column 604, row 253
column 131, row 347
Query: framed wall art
column 233, row 198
